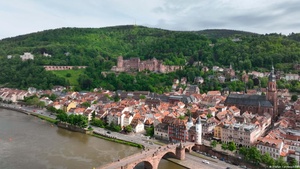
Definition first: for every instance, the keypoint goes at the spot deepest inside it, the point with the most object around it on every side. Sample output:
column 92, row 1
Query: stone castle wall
column 63, row 67
column 135, row 64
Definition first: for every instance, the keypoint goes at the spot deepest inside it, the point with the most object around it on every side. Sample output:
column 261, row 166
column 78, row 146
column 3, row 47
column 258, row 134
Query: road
column 192, row 161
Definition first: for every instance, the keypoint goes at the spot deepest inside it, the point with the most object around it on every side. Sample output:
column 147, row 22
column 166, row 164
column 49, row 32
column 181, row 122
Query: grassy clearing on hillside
column 74, row 75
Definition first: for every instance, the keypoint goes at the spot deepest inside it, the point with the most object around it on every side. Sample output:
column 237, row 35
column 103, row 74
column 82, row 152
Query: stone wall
column 73, row 128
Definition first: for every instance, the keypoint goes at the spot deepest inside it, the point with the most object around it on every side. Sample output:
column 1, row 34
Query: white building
column 27, row 56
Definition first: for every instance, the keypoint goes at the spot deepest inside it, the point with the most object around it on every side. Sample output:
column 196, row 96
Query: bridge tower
column 198, row 139
column 180, row 152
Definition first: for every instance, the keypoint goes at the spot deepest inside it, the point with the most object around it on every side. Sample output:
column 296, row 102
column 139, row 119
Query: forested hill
column 223, row 33
column 222, row 47
column 98, row 49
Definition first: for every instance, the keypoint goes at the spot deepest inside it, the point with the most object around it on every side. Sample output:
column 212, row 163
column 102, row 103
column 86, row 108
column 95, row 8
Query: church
column 257, row 104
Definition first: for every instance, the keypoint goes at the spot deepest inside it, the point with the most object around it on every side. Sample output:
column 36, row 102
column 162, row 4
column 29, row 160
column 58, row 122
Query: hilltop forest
column 98, row 49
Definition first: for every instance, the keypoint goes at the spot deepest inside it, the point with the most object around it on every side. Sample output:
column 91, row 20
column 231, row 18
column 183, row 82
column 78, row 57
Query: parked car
column 215, row 157
column 108, row 132
column 205, row 162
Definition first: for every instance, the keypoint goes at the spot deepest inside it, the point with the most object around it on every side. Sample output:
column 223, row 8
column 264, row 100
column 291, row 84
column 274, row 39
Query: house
column 199, row 80
column 27, row 56
column 46, row 100
column 191, row 89
column 137, row 125
column 68, row 105
column 290, row 76
column 217, row 131
column 126, row 118
column 272, row 146
column 161, row 131
column 214, row 93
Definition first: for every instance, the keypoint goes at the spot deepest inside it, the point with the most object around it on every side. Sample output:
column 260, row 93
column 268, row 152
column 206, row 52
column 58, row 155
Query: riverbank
column 27, row 112
column 114, row 139
column 61, row 125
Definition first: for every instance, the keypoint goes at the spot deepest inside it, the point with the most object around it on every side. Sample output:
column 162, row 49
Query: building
column 135, row 64
column 240, row 133
column 176, row 130
column 258, row 104
column 27, row 56
column 272, row 146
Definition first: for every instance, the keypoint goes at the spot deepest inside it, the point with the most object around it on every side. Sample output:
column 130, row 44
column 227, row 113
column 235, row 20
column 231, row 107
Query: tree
column 86, row 104
column 150, row 131
column 253, row 154
column 231, row 146
column 62, row 117
column 267, row 159
column 68, row 75
column 128, row 128
column 294, row 98
column 209, row 116
column 214, row 143
column 243, row 151
column 280, row 162
column 224, row 146
column 294, row 163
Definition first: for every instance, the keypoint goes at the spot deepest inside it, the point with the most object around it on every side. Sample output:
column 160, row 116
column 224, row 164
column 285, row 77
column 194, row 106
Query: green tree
column 68, row 75
column 62, row 117
column 294, row 98
column 294, row 163
column 41, row 104
column 231, row 146
column 254, row 155
column 243, row 151
column 214, row 143
column 86, row 104
column 224, row 146
column 150, row 131
column 267, row 159
column 128, row 128
column 280, row 162
column 209, row 116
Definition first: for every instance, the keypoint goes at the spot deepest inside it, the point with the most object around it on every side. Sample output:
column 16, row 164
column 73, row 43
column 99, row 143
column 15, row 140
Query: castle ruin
column 135, row 64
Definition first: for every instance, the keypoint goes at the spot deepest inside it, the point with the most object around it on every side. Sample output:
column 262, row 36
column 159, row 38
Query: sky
column 18, row 17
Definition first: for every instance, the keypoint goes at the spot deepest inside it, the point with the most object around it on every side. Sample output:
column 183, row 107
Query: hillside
column 98, row 49
column 223, row 33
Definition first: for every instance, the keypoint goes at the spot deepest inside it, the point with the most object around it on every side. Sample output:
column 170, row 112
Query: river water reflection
column 29, row 142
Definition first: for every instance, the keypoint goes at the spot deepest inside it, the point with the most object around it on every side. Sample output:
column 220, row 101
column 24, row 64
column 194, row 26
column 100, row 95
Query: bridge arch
column 145, row 164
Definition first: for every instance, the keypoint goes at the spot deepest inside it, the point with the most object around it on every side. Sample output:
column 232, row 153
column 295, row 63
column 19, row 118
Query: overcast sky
column 19, row 17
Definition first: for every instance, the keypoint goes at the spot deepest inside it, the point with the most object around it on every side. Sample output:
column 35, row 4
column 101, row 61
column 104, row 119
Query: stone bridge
column 151, row 157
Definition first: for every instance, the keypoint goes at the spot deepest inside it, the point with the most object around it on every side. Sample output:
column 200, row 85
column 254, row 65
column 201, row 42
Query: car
column 205, row 162
column 215, row 157
column 228, row 168
column 108, row 132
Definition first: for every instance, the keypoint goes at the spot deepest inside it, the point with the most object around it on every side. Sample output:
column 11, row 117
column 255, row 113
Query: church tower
column 272, row 92
column 198, row 139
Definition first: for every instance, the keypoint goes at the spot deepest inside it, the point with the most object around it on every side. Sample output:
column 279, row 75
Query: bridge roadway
column 148, row 155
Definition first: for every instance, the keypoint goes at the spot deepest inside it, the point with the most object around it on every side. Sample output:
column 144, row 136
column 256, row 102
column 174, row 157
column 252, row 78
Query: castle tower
column 189, row 124
column 272, row 92
column 198, row 139
column 120, row 62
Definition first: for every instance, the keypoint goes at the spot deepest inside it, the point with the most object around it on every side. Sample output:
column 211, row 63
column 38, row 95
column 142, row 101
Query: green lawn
column 74, row 75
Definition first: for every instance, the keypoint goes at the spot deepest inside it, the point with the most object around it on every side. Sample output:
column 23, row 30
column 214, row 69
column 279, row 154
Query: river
column 29, row 142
